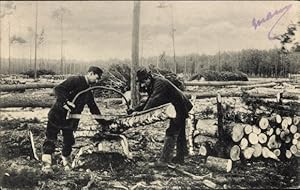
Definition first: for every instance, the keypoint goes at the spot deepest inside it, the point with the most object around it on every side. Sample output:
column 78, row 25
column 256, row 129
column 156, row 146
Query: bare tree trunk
column 220, row 117
column 61, row 45
column 0, row 38
column 35, row 40
column 9, row 44
column 135, row 52
column 173, row 40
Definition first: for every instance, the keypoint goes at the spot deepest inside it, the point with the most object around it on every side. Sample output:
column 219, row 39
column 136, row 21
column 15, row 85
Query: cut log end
column 235, row 152
column 248, row 129
column 277, row 152
column 267, row 153
column 294, row 141
column 294, row 149
column 284, row 124
column 253, row 138
column 256, row 130
column 278, row 131
column 297, row 136
column 248, row 152
column 272, row 143
column 293, row 129
column 288, row 154
column 202, row 151
column 296, row 120
column 263, row 123
column 257, row 150
column 270, row 131
column 220, row 164
column 237, row 133
column 278, row 119
column 298, row 145
column 262, row 138
column 244, row 143
column 274, row 119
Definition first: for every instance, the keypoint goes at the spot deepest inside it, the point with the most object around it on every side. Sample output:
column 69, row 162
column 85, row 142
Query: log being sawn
column 120, row 123
column 112, row 142
column 147, row 117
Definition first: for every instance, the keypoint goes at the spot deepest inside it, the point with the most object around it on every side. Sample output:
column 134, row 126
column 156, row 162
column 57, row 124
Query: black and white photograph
column 149, row 95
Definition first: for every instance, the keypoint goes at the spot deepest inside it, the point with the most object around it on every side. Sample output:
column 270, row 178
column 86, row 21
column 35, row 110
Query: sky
column 103, row 29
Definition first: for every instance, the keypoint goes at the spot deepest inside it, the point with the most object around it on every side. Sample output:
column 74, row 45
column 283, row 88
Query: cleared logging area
column 257, row 149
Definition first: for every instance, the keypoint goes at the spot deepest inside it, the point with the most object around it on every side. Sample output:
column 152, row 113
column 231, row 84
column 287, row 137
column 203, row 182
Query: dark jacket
column 66, row 91
column 162, row 91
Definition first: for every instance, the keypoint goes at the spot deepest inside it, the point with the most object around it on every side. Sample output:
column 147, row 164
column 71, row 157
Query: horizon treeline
column 253, row 62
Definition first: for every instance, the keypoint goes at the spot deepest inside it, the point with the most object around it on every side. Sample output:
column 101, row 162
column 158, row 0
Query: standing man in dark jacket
column 161, row 91
column 57, row 116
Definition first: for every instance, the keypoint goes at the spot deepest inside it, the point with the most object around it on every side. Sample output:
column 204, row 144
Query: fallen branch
column 144, row 186
column 33, row 146
column 193, row 176
column 206, row 182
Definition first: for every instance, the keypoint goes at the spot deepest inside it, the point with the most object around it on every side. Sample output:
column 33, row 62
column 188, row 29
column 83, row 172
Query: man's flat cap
column 95, row 70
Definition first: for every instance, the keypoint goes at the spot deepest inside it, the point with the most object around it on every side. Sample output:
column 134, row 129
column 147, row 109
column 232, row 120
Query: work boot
column 167, row 151
column 47, row 163
column 67, row 162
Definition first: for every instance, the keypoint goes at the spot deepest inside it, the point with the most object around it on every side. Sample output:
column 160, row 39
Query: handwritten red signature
column 257, row 22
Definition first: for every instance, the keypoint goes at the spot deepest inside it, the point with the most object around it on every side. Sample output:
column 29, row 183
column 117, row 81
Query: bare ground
column 19, row 170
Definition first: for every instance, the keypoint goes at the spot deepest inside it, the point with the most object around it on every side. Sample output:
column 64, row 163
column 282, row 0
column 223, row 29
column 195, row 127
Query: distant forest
column 253, row 62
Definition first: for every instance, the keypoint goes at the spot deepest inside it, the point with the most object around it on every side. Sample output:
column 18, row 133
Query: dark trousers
column 52, row 131
column 177, row 128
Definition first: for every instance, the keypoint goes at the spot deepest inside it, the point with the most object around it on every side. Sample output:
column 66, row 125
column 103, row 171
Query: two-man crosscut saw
column 97, row 87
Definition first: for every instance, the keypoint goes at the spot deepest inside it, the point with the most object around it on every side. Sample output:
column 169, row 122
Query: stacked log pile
column 257, row 129
column 273, row 137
